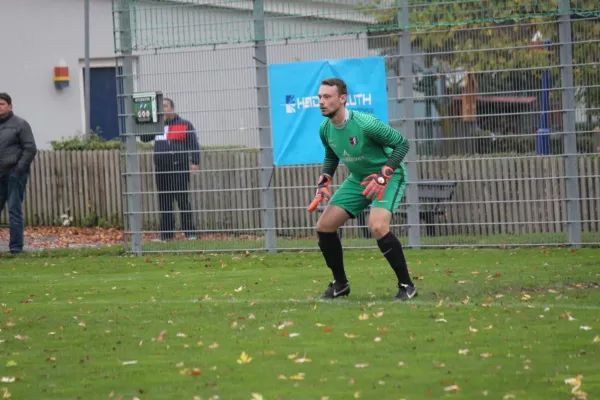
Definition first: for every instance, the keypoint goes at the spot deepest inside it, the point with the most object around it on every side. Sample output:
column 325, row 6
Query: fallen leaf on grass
column 377, row 339
column 350, row 335
column 585, row 328
column 363, row 317
column 129, row 362
column 7, row 379
column 161, row 336
column 292, row 356
column 213, row 346
column 11, row 363
column 257, row 396
column 471, row 329
column 463, row 352
column 486, row 355
column 190, row 371
column 440, row 320
column 596, row 339
column 361, row 365
column 302, row 360
column 284, row 324
column 6, row 394
column 567, row 315
column 298, row 377
column 20, row 337
column 452, row 388
column 244, row 358
column 576, row 383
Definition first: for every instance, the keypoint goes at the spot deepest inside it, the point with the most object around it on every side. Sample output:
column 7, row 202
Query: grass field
column 498, row 324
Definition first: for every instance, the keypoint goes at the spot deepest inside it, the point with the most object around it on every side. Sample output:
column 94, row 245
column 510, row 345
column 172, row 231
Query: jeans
column 12, row 190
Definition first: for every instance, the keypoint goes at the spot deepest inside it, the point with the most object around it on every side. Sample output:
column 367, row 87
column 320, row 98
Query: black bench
column 432, row 196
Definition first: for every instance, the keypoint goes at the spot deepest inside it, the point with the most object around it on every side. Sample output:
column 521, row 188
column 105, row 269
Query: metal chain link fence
column 500, row 101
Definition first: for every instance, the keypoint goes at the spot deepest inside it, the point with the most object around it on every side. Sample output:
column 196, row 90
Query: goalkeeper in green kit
column 373, row 153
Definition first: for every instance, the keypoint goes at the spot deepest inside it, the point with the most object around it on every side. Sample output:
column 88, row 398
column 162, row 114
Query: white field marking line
column 341, row 302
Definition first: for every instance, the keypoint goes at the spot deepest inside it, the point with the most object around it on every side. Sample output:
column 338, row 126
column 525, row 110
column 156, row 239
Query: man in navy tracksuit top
column 176, row 152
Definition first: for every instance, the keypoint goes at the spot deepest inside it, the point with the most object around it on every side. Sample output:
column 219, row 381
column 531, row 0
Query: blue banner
column 295, row 113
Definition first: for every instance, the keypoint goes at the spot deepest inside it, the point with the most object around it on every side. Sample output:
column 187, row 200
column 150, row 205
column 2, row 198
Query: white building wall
column 215, row 87
column 37, row 34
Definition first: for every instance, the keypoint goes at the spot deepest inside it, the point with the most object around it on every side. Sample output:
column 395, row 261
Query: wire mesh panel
column 500, row 101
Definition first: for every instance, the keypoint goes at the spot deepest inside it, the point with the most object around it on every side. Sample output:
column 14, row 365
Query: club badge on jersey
column 353, row 140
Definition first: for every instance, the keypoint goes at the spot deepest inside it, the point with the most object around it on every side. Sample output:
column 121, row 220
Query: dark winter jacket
column 177, row 148
column 17, row 145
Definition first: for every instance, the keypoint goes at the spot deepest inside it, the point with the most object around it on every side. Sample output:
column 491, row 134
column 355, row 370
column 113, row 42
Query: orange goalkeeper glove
column 322, row 192
column 376, row 183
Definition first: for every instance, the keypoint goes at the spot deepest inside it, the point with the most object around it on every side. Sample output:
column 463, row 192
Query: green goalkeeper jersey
column 364, row 144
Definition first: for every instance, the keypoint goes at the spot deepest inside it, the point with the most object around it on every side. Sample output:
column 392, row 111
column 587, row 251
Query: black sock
column 392, row 250
column 331, row 247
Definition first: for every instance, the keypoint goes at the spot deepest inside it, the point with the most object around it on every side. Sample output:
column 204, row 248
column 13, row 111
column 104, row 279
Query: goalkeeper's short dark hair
column 338, row 83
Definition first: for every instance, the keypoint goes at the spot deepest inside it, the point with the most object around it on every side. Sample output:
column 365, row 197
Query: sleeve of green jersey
column 385, row 135
column 331, row 161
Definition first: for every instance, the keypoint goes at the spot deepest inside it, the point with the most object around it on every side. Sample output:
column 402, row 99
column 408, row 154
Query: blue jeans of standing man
column 12, row 190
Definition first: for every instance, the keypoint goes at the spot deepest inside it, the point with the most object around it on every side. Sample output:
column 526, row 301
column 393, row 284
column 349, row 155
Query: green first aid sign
column 145, row 108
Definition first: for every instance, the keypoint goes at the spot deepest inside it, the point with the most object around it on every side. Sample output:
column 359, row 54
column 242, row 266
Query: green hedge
column 94, row 142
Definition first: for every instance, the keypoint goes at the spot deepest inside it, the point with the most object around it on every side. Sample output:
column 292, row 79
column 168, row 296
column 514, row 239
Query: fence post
column 409, row 131
column 133, row 186
column 569, row 128
column 264, row 127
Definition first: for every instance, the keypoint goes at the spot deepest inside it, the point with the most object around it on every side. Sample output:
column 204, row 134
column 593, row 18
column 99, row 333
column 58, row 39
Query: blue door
column 103, row 102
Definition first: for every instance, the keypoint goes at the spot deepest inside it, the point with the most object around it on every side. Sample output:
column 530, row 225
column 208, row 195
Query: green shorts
column 349, row 195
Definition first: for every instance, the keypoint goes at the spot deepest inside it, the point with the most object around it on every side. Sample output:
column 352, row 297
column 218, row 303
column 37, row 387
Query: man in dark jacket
column 176, row 152
column 17, row 151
